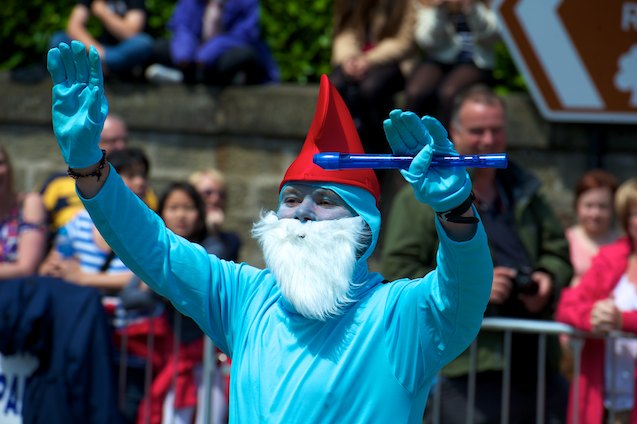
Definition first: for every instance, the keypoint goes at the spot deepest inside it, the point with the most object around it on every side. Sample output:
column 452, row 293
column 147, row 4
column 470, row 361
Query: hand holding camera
column 537, row 301
column 533, row 288
column 523, row 282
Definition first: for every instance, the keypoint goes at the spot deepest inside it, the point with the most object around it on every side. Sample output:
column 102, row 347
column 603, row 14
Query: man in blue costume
column 314, row 337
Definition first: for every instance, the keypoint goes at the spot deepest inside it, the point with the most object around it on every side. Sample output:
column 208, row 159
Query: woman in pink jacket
column 606, row 300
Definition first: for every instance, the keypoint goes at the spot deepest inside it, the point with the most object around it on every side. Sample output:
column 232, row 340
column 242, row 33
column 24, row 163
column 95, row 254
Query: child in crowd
column 79, row 254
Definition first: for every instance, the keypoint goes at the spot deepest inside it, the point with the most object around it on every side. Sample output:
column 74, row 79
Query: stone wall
column 253, row 133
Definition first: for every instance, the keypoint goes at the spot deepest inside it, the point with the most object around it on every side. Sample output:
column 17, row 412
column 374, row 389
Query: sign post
column 579, row 57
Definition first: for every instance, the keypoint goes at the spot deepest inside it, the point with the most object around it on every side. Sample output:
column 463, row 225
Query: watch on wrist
column 455, row 215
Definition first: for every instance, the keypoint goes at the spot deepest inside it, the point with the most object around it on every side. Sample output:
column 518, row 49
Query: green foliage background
column 297, row 31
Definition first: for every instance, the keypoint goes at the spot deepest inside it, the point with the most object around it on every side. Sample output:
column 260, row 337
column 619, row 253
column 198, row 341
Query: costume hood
column 333, row 130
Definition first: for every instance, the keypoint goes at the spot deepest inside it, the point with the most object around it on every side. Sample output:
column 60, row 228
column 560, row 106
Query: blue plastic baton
column 335, row 160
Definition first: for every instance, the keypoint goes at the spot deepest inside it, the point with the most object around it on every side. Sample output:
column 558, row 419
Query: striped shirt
column 76, row 239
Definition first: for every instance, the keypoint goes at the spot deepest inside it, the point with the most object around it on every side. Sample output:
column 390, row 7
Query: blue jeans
column 118, row 58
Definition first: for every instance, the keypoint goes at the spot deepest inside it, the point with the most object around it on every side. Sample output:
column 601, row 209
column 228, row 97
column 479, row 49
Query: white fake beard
column 313, row 262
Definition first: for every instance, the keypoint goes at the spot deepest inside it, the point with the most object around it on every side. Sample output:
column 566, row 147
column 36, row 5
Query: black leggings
column 432, row 86
column 242, row 61
column 370, row 101
column 239, row 65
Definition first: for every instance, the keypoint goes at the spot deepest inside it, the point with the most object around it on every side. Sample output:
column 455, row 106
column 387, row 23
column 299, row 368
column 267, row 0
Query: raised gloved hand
column 441, row 188
column 79, row 104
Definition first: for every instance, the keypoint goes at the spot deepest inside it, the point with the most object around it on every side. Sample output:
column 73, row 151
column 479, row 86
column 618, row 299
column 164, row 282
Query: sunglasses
column 210, row 192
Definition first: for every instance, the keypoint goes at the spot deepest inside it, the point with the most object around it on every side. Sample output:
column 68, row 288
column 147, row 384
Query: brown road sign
column 579, row 57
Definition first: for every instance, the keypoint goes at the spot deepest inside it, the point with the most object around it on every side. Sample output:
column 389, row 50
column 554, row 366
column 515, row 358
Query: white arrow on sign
column 557, row 54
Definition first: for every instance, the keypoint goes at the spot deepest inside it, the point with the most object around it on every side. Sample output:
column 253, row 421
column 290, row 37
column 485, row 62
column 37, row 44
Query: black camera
column 523, row 283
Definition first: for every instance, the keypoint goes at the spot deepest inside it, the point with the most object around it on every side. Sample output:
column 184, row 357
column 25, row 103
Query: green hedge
column 299, row 34
column 297, row 31
column 28, row 26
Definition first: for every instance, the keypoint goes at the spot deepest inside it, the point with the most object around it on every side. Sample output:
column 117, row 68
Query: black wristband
column 455, row 215
column 96, row 173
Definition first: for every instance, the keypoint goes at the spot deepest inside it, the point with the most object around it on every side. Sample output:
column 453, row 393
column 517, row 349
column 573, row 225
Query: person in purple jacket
column 217, row 42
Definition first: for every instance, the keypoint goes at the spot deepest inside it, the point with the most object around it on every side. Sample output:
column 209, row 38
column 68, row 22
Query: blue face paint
column 308, row 202
column 356, row 201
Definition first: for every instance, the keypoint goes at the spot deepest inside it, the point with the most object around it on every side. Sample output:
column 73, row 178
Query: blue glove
column 441, row 188
column 79, row 104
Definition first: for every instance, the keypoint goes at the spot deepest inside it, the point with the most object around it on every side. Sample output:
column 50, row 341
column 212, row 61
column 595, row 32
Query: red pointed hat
column 332, row 130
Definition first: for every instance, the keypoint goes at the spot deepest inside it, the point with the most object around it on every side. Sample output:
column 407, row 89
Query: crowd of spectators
column 55, row 242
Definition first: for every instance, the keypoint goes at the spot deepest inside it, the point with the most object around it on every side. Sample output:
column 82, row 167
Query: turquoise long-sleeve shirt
column 375, row 363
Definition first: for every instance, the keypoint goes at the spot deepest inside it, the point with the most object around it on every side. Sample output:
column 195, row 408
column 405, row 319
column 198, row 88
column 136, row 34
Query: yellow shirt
column 62, row 203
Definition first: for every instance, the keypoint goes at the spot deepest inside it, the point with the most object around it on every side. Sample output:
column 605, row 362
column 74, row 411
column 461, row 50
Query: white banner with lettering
column 14, row 371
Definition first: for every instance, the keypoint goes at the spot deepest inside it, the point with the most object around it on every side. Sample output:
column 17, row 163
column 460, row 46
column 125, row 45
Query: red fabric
column 332, row 130
column 189, row 356
column 574, row 308
column 137, row 334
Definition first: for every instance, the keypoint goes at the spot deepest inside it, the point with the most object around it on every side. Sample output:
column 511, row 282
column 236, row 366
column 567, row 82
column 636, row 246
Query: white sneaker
column 160, row 74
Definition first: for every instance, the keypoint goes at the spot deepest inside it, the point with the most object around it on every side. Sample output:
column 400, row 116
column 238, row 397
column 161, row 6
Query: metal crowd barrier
column 208, row 369
column 543, row 329
column 508, row 326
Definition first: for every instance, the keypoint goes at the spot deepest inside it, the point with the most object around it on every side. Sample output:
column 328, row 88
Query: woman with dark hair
column 183, row 211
